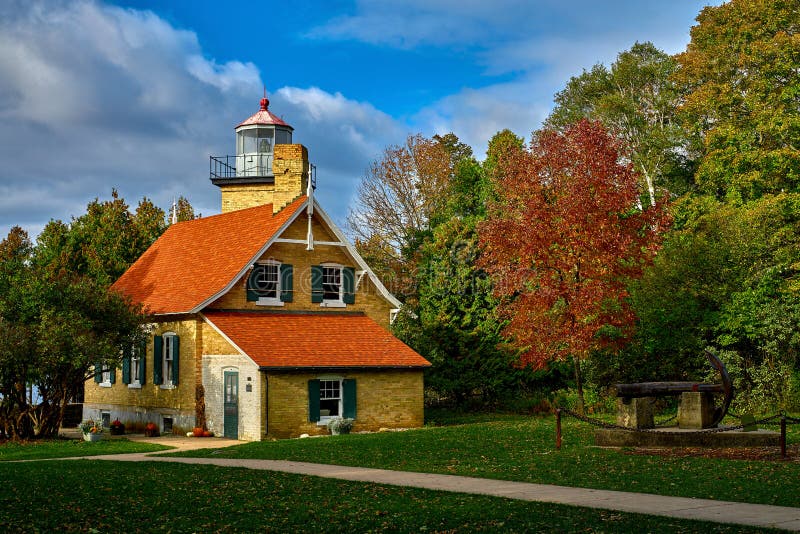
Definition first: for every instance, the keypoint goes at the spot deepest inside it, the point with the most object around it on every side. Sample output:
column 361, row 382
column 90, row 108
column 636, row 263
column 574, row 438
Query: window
column 133, row 366
column 330, row 397
column 270, row 283
column 136, row 365
column 106, row 378
column 104, row 375
column 105, row 418
column 166, row 359
column 167, row 425
column 331, row 283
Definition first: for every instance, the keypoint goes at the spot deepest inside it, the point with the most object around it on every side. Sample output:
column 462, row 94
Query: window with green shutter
column 142, row 369
column 158, row 350
column 313, row 400
column 98, row 372
column 316, row 283
column 270, row 283
column 349, row 282
column 349, row 398
column 126, row 365
column 287, row 282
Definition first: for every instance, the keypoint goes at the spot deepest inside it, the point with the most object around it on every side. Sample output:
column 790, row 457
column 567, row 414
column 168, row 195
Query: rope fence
column 782, row 419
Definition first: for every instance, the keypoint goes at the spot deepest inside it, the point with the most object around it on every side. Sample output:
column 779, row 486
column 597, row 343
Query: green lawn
column 95, row 496
column 64, row 448
column 522, row 448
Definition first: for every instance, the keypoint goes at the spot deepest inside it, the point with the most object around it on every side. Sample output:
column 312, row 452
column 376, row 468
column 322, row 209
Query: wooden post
column 558, row 429
column 783, row 436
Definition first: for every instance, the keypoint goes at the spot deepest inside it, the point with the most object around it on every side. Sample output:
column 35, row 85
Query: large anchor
column 665, row 389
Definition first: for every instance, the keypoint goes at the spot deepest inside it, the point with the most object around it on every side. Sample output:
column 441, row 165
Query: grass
column 522, row 449
column 92, row 496
column 65, row 448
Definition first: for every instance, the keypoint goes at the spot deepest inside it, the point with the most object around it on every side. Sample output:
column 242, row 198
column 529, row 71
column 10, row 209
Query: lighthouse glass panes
column 254, row 148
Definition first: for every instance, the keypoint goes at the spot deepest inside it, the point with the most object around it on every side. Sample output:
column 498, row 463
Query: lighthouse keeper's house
column 265, row 320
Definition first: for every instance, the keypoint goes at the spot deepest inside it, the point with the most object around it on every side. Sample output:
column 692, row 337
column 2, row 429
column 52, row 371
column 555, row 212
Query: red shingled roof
column 314, row 340
column 195, row 260
column 263, row 116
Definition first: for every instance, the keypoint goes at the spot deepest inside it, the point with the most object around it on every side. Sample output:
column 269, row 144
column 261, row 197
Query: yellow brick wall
column 238, row 197
column 290, row 170
column 213, row 343
column 384, row 399
column 150, row 397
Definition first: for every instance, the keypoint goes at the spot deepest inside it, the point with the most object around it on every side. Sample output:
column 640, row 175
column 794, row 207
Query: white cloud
column 95, row 97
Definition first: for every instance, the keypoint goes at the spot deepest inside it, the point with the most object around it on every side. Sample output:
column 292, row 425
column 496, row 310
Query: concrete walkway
column 757, row 515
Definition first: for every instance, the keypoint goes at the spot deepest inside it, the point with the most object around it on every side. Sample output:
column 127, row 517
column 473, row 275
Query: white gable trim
column 252, row 260
column 342, row 241
column 357, row 257
column 226, row 338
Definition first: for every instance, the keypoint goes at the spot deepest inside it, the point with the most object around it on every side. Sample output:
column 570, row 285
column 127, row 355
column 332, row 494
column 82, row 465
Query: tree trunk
column 576, row 360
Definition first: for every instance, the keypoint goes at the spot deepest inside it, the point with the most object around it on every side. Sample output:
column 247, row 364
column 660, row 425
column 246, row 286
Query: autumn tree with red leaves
column 562, row 238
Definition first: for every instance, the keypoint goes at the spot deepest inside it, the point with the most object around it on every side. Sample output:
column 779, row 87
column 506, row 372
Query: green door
column 231, row 405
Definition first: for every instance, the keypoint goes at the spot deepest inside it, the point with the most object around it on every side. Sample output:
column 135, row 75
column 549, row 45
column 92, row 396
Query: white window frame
column 136, row 361
column 333, row 303
column 276, row 300
column 166, row 364
column 105, row 374
column 323, row 419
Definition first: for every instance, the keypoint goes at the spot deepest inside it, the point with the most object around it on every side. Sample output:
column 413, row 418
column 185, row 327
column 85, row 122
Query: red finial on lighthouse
column 265, row 100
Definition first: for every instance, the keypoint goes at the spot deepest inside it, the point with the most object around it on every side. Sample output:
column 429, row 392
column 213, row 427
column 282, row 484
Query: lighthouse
column 267, row 167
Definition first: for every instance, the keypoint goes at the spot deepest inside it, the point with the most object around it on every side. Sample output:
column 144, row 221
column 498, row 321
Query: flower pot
column 118, row 430
column 92, row 437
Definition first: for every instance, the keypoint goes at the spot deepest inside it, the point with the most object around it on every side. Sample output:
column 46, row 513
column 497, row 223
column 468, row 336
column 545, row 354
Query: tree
column 637, row 100
column 56, row 327
column 397, row 199
column 742, row 104
column 103, row 242
column 563, row 239
column 727, row 278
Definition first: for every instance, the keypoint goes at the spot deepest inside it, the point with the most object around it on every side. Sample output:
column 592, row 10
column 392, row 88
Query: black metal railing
column 240, row 166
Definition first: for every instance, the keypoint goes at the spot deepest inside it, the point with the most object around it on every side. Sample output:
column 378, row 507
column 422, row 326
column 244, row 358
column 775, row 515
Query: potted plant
column 92, row 430
column 151, row 430
column 117, row 428
column 339, row 425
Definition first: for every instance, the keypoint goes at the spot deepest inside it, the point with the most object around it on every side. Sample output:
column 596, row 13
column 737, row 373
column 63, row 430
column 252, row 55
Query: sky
column 135, row 95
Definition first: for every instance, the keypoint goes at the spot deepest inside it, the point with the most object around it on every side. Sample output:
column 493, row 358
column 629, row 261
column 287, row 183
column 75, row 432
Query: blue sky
column 136, row 94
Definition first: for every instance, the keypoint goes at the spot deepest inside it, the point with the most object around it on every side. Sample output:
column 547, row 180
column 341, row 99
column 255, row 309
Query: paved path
column 758, row 515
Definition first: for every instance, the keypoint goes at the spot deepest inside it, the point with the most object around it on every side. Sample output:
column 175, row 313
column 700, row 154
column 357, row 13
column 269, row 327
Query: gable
column 194, row 261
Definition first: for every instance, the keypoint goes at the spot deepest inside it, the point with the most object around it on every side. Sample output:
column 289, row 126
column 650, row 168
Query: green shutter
column 287, row 276
column 313, row 400
column 98, row 372
column 142, row 360
column 158, row 354
column 176, row 357
column 126, row 365
column 252, row 294
column 316, row 283
column 349, row 281
column 349, row 394
column 112, row 375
